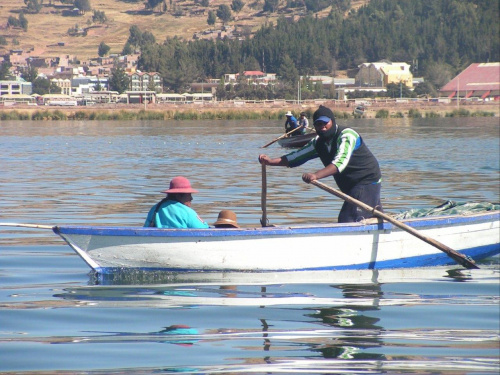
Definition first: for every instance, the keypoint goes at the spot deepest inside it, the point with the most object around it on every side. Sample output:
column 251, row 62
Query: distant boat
column 296, row 141
column 360, row 110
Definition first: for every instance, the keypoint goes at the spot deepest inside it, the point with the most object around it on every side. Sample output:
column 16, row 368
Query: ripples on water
column 56, row 317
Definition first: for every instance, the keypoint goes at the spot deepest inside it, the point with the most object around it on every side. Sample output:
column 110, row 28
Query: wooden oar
column 263, row 197
column 37, row 226
column 283, row 136
column 456, row 256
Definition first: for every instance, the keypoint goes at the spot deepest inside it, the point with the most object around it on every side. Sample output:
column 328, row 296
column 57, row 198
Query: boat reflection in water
column 336, row 315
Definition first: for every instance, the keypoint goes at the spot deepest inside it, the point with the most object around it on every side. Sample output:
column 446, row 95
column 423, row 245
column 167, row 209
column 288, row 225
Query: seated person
column 226, row 219
column 175, row 210
column 303, row 122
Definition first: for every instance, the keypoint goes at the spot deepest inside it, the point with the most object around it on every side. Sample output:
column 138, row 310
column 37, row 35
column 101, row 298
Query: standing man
column 175, row 210
column 346, row 157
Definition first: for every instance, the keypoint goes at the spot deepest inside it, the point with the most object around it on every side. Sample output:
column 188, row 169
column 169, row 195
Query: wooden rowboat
column 296, row 141
column 352, row 246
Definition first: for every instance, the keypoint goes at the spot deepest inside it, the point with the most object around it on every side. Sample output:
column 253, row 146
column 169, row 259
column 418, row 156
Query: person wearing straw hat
column 175, row 210
column 291, row 123
column 346, row 157
column 226, row 219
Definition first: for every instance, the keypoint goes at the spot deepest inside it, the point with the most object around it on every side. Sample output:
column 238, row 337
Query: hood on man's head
column 323, row 111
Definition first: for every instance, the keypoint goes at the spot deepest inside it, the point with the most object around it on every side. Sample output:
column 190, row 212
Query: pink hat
column 180, row 184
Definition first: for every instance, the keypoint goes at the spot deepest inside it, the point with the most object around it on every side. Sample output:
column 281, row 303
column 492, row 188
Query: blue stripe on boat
column 338, row 228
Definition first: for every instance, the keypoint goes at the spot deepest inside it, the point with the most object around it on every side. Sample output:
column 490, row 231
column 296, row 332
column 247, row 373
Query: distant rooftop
column 476, row 77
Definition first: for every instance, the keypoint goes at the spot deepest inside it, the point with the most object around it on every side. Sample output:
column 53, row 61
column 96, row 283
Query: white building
column 19, row 86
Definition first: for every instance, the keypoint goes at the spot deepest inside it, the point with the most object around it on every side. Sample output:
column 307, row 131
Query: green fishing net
column 449, row 208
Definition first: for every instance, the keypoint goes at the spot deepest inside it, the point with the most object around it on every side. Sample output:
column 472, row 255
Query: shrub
column 483, row 114
column 382, row 113
column 414, row 113
column 14, row 115
column 432, row 114
column 458, row 113
column 398, row 114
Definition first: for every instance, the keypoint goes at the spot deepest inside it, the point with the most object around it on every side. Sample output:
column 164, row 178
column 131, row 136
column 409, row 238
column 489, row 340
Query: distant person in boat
column 175, row 210
column 303, row 123
column 291, row 123
column 346, row 157
column 226, row 219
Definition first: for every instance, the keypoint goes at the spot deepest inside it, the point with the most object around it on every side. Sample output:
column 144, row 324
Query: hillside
column 47, row 32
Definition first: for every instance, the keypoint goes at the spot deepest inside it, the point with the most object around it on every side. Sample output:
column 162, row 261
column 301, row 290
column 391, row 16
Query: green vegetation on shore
column 210, row 115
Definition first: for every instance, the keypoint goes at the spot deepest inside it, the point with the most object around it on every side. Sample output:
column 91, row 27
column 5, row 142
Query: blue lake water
column 58, row 317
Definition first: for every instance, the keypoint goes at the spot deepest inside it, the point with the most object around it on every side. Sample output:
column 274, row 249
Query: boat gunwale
column 308, row 229
column 289, row 142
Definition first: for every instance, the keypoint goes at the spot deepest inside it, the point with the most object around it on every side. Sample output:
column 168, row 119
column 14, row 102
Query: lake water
column 57, row 317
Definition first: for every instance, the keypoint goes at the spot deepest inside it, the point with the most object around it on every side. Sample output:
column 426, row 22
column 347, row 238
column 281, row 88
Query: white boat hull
column 295, row 248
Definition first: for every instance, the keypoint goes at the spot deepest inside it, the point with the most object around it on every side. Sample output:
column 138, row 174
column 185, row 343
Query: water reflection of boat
column 365, row 277
column 354, row 246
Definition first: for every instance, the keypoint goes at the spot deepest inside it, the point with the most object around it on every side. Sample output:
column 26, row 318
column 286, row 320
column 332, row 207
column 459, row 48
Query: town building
column 478, row 80
column 17, row 86
column 64, row 84
column 382, row 73
column 251, row 76
column 145, row 81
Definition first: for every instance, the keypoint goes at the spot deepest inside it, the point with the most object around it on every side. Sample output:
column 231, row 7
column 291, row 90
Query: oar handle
column 456, row 256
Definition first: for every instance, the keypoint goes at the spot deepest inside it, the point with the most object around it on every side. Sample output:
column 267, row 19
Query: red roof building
column 479, row 80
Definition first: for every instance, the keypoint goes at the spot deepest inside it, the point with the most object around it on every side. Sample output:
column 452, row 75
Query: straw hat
column 289, row 113
column 180, row 184
column 228, row 218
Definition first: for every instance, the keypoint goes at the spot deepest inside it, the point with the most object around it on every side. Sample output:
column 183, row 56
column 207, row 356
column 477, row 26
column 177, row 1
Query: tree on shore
column 224, row 13
column 99, row 17
column 33, row 6
column 42, row 86
column 83, row 5
column 237, row 5
column 119, row 80
column 4, row 70
column 29, row 73
column 152, row 4
column 212, row 18
column 103, row 49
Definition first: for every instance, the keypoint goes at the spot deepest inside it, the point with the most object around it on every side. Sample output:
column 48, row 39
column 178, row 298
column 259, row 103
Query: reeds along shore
column 199, row 112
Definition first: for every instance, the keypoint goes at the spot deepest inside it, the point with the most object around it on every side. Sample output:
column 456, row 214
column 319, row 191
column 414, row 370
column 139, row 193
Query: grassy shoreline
column 210, row 112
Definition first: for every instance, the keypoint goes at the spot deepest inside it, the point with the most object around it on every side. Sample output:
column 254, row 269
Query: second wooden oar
column 283, row 136
column 456, row 256
column 19, row 225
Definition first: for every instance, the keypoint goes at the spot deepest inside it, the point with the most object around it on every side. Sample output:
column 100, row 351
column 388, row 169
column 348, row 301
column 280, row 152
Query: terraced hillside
column 48, row 31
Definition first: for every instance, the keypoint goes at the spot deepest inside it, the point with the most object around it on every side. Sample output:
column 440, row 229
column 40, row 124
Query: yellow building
column 380, row 74
column 397, row 73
